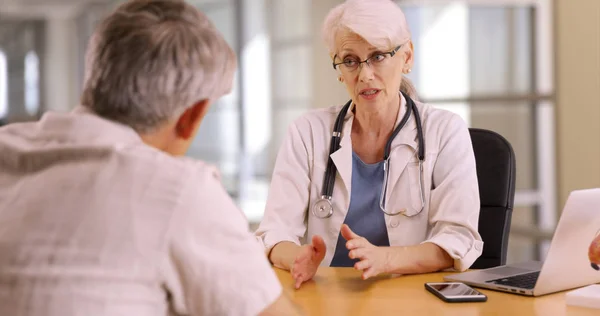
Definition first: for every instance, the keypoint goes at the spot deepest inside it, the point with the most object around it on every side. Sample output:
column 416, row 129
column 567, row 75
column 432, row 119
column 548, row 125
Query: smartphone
column 454, row 292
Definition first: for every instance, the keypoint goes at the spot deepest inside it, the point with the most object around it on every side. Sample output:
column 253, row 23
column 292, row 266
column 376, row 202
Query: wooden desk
column 341, row 291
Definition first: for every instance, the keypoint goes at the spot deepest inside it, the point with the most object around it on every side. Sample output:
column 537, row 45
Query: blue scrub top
column 364, row 216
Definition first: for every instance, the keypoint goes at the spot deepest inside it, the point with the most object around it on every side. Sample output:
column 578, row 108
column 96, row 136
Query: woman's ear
column 408, row 57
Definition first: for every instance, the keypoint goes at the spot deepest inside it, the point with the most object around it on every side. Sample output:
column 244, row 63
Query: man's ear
column 190, row 120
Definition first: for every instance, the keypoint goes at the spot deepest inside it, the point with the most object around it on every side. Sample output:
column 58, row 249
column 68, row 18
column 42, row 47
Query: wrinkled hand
column 373, row 260
column 307, row 261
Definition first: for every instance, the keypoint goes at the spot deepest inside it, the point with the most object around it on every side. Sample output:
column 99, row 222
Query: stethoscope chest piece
column 323, row 208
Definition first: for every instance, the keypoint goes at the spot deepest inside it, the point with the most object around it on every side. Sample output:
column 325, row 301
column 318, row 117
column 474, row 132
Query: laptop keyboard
column 524, row 281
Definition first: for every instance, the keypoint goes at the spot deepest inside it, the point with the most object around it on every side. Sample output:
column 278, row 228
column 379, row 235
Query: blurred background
column 528, row 69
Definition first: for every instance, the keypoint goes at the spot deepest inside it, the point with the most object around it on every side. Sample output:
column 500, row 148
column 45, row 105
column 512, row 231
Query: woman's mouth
column 369, row 94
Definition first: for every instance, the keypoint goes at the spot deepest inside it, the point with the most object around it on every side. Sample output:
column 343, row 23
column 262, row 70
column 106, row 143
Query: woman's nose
column 365, row 72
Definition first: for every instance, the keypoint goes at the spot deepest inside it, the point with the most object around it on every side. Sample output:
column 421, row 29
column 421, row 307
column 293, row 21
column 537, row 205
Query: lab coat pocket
column 415, row 186
column 405, row 196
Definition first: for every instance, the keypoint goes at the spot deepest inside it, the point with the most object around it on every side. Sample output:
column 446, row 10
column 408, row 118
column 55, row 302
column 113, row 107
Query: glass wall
column 219, row 138
column 32, row 83
column 483, row 62
column 20, row 67
column 490, row 62
column 243, row 130
column 3, row 85
column 487, row 62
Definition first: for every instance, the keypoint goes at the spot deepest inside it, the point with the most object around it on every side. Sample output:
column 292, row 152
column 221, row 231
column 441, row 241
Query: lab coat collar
column 407, row 135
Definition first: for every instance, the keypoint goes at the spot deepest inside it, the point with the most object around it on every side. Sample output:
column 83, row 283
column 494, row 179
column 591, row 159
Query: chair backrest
column 496, row 173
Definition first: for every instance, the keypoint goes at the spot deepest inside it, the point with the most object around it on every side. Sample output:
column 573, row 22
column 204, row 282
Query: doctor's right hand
column 307, row 261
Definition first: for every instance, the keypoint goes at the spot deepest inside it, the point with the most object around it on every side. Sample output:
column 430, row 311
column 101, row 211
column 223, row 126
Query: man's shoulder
column 201, row 169
column 182, row 167
column 18, row 128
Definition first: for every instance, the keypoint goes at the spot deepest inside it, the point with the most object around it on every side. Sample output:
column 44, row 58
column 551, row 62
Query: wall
column 327, row 91
column 577, row 46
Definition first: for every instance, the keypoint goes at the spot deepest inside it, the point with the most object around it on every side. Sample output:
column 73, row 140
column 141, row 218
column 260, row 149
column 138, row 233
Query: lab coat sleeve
column 214, row 264
column 454, row 201
column 287, row 202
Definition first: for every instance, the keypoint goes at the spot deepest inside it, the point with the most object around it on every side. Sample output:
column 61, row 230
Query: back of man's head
column 150, row 60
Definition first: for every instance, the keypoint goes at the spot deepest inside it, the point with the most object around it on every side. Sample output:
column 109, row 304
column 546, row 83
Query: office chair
column 496, row 172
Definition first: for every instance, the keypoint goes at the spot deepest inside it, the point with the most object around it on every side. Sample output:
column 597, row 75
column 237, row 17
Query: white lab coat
column 451, row 213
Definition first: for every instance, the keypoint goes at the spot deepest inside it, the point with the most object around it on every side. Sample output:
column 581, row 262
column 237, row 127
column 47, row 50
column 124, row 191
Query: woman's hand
column 373, row 260
column 307, row 261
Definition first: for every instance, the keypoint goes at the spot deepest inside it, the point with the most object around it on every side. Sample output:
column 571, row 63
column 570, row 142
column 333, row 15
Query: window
column 32, row 83
column 218, row 140
column 490, row 63
column 3, row 85
column 236, row 133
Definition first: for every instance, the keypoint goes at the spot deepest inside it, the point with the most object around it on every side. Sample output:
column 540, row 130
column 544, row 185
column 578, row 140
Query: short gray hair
column 150, row 60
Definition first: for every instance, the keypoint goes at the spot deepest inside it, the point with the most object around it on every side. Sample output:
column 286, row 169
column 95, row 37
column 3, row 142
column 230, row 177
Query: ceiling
column 28, row 9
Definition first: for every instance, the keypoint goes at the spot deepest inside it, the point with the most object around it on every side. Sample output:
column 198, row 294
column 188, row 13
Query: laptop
column 567, row 264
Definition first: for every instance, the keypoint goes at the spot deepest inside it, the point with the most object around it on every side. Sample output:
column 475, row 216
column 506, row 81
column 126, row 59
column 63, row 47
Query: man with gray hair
column 99, row 212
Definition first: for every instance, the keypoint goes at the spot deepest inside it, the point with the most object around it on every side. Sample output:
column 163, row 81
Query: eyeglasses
column 351, row 63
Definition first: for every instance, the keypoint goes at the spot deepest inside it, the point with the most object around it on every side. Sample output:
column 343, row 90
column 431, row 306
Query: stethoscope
column 323, row 207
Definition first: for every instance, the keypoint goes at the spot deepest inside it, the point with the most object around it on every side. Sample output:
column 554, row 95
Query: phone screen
column 453, row 290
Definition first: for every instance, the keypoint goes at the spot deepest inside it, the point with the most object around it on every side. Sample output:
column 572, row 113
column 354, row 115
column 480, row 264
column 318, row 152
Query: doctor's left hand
column 373, row 259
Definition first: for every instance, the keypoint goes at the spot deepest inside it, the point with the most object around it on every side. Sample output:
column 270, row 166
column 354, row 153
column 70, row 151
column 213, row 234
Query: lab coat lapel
column 403, row 150
column 342, row 158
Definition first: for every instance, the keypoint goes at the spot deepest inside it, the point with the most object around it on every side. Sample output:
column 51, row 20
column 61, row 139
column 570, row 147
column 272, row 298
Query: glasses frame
column 367, row 61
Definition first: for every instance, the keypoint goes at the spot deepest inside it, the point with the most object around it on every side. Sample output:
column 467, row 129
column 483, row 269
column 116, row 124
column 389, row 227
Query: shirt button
column 478, row 246
column 394, row 222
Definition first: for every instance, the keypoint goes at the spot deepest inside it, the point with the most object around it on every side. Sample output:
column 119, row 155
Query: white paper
column 588, row 296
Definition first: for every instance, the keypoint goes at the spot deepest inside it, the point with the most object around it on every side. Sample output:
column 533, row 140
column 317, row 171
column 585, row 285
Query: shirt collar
column 82, row 124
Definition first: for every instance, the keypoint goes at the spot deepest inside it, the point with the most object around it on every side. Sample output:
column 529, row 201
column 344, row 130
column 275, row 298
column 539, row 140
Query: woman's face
column 376, row 83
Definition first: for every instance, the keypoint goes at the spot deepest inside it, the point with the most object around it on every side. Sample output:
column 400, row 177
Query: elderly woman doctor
column 384, row 184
